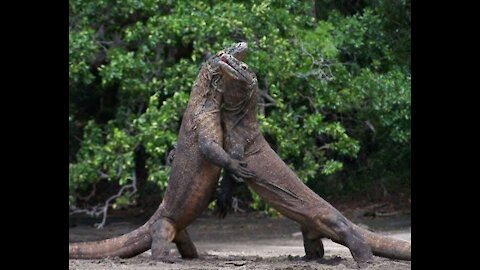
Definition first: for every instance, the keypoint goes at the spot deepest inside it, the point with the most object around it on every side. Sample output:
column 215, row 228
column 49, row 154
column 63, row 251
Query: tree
column 337, row 74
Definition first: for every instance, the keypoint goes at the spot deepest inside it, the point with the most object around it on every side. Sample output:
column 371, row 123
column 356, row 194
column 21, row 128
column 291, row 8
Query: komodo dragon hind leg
column 163, row 232
column 313, row 245
column 185, row 245
column 359, row 248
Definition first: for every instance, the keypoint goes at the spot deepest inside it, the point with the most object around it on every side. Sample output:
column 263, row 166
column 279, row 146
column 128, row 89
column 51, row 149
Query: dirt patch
column 143, row 262
column 243, row 242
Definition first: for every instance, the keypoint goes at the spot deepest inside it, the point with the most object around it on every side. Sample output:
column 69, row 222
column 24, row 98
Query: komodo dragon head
column 237, row 50
column 237, row 72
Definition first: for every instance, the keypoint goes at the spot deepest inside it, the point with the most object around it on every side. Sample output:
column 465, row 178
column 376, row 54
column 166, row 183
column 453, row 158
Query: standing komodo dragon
column 199, row 157
column 278, row 185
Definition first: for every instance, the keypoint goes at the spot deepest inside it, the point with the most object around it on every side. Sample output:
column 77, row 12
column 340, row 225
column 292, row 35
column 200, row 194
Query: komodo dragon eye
column 220, row 53
column 244, row 66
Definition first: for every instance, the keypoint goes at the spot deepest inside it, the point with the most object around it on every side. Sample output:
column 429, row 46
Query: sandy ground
column 242, row 242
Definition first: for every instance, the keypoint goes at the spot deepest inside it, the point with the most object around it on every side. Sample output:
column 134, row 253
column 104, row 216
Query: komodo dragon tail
column 125, row 246
column 387, row 247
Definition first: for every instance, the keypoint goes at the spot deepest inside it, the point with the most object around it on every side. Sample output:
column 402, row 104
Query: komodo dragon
column 199, row 157
column 278, row 185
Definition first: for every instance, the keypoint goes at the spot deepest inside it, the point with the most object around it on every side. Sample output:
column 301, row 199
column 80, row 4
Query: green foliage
column 339, row 74
column 81, row 53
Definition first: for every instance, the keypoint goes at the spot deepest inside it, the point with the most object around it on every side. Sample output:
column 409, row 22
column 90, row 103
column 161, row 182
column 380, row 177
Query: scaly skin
column 199, row 157
column 278, row 185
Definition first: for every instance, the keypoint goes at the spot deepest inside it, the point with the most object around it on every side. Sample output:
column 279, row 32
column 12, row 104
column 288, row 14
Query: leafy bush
column 338, row 71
